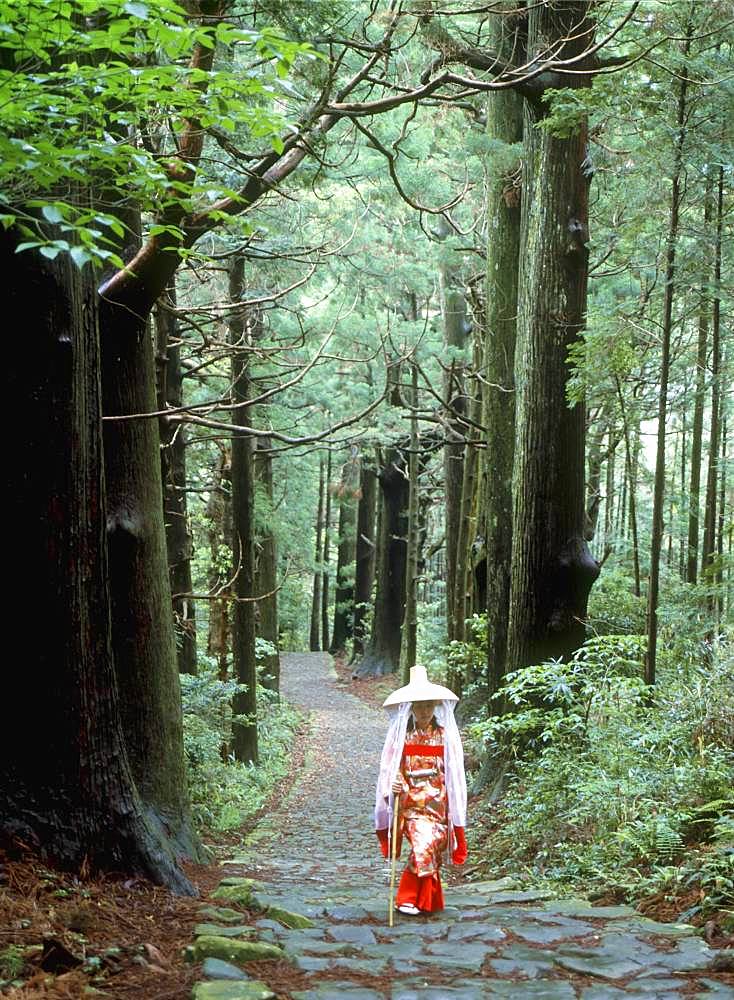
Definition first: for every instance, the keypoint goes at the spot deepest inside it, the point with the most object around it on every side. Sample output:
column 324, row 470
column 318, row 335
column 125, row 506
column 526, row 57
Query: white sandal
column 410, row 908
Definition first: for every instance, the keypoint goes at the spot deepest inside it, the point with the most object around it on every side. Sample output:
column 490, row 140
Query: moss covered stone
column 239, row 892
column 233, row 950
column 296, row 921
column 239, row 880
column 221, row 914
column 252, row 989
column 217, row 930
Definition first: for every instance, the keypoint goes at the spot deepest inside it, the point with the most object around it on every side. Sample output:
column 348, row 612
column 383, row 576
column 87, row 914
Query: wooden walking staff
column 394, row 852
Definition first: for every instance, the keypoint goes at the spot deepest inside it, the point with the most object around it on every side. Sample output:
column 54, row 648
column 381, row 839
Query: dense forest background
column 401, row 331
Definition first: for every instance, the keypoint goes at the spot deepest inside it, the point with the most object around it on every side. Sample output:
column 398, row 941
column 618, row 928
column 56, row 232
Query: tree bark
column 612, row 441
column 409, row 637
column 173, row 472
column 365, row 558
column 594, row 462
column 244, row 703
column 453, row 310
column 76, row 802
column 708, row 549
column 383, row 652
column 142, row 625
column 325, row 564
column 464, row 589
column 667, row 325
column 552, row 568
column 219, row 532
column 721, row 526
column 504, row 124
column 346, row 550
column 315, row 632
column 266, row 576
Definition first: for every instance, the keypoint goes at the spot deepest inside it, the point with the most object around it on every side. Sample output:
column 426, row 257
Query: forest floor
column 313, row 853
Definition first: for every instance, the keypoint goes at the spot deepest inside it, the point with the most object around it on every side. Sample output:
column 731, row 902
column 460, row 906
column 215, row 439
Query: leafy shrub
column 224, row 793
column 12, row 963
column 612, row 786
column 469, row 658
column 431, row 639
column 613, row 607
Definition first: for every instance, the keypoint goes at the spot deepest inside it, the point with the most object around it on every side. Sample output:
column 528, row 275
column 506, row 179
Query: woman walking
column 422, row 775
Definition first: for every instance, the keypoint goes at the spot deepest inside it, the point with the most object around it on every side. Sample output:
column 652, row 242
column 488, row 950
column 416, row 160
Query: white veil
column 392, row 753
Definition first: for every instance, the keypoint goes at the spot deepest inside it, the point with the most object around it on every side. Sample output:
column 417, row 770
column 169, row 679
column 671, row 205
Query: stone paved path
column 321, row 887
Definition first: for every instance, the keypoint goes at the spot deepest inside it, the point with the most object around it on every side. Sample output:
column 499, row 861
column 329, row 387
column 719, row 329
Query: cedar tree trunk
column 244, row 703
column 315, row 631
column 266, row 576
column 504, row 124
column 142, row 625
column 552, row 568
column 383, row 652
column 173, row 469
column 365, row 558
column 76, row 800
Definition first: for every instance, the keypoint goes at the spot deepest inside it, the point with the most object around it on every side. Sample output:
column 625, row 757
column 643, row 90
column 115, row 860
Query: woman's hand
column 397, row 787
column 459, row 852
column 382, row 837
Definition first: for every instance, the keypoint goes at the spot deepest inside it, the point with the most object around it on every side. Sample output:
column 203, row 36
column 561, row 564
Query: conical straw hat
column 419, row 689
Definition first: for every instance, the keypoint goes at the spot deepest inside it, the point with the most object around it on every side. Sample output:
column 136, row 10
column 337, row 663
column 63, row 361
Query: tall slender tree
column 667, row 325
column 365, row 556
column 315, row 630
column 244, row 703
column 173, row 471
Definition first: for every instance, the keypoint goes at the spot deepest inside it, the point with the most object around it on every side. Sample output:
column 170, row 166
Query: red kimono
column 423, row 817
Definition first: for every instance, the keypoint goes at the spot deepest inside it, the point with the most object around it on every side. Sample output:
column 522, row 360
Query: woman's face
column 423, row 712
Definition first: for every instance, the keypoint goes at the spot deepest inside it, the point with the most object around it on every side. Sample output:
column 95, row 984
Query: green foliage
column 612, row 788
column 81, row 81
column 225, row 794
column 613, row 608
column 12, row 961
column 469, row 658
column 431, row 638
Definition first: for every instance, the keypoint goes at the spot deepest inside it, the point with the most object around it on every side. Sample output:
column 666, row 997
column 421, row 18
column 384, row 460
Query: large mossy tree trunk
column 76, row 801
column 173, row 470
column 364, row 577
column 552, row 568
column 142, row 624
column 244, row 703
column 504, row 125
column 383, row 652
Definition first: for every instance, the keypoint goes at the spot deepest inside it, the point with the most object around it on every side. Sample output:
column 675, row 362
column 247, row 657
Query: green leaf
column 137, row 9
column 51, row 252
column 80, row 256
column 52, row 213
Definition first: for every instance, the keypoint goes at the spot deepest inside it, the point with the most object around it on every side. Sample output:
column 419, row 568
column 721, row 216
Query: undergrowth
column 611, row 789
column 226, row 794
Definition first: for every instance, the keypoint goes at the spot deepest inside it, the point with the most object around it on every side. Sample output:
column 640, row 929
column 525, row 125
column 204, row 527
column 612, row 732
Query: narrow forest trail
column 316, row 857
